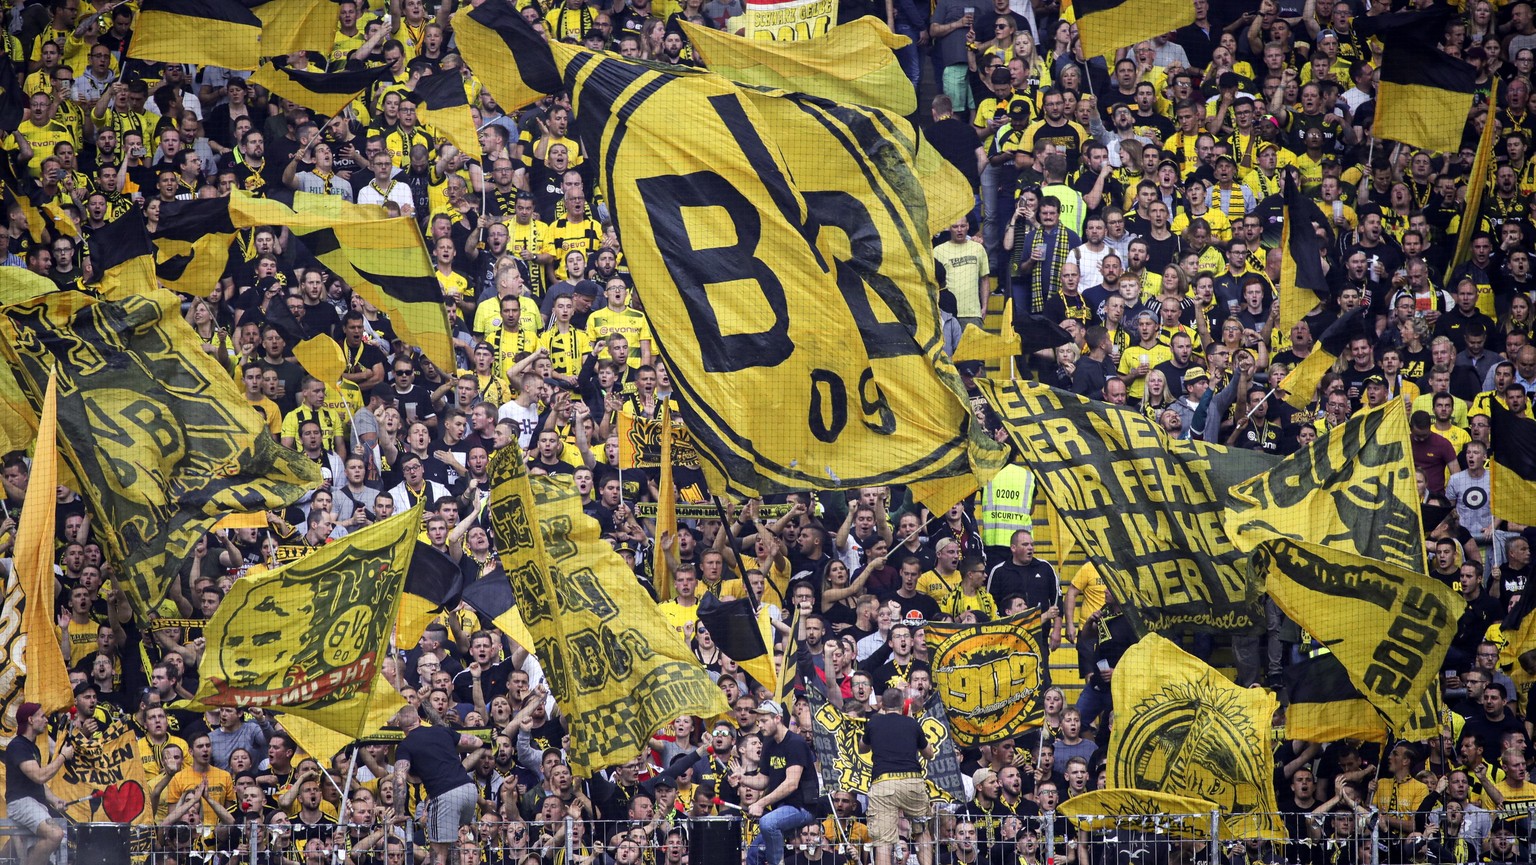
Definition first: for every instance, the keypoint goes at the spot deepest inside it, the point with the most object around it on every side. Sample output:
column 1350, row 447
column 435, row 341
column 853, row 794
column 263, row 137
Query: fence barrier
column 955, row 838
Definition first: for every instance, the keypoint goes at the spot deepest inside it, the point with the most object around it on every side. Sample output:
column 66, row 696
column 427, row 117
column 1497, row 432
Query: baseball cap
column 1147, row 314
column 587, row 288
column 1227, row 157
column 25, row 713
column 768, row 707
column 1195, row 374
column 982, row 776
column 1376, row 378
column 625, row 547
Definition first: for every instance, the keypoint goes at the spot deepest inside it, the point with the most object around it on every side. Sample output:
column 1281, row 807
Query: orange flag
column 47, row 681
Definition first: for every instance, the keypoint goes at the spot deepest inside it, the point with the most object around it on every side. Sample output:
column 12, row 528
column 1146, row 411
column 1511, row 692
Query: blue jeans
column 910, row 57
column 768, row 846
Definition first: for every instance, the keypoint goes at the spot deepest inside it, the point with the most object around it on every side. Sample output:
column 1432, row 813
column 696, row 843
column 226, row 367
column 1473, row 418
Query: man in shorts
column 432, row 755
column 895, row 742
column 27, row 800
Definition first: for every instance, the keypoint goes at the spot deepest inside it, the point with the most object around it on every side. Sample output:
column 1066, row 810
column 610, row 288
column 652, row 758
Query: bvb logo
column 348, row 638
column 1194, row 741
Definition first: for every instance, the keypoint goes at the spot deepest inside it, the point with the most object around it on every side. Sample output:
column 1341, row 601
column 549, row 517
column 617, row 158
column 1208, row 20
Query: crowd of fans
column 1132, row 198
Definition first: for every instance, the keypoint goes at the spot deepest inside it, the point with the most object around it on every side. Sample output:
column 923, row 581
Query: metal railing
column 677, row 837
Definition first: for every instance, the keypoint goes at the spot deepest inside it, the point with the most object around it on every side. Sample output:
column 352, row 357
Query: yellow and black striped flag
column 1325, row 706
column 1303, row 283
column 123, row 257
column 1424, row 94
column 325, row 92
column 1300, row 384
column 384, row 260
column 1513, row 493
column 1108, row 25
column 442, row 104
column 509, row 58
column 160, row 438
column 204, row 32
column 742, row 635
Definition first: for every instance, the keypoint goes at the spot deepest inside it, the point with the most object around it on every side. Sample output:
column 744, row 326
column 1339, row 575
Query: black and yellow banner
column 1145, row 810
column 991, row 676
column 617, row 671
column 1388, row 626
column 105, row 772
column 1353, row 490
column 1145, row 509
column 309, row 638
column 1423, row 94
column 1108, row 25
column 203, row 32
column 325, row 92
column 1303, row 282
column 1187, row 730
column 1513, row 470
column 1324, row 706
column 640, row 443
column 843, row 198
column 161, row 440
column 1478, row 184
column 122, row 256
column 836, row 738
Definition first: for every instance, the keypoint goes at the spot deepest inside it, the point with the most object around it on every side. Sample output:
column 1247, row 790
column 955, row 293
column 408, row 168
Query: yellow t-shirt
column 221, row 788
column 678, row 616
column 567, row 350
column 937, row 586
column 1090, row 588
column 628, row 322
column 1130, row 358
column 149, row 754
column 82, row 641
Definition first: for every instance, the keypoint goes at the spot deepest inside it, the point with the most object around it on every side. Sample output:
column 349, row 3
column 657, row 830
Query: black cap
column 1376, row 378
column 587, row 288
column 970, row 367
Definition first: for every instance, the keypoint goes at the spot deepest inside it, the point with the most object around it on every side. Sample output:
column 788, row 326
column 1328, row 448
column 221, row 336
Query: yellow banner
column 616, row 670
column 1107, row 810
column 786, row 20
column 1187, row 730
column 106, row 768
column 308, row 638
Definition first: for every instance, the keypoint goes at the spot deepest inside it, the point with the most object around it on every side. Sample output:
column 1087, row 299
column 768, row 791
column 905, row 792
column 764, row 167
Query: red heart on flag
column 123, row 802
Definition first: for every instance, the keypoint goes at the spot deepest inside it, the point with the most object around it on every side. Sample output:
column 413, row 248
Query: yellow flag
column 322, row 358
column 18, row 422
column 323, row 743
column 1471, row 212
column 47, row 677
column 1187, row 730
column 1108, row 25
column 666, row 509
column 977, row 344
column 851, row 63
column 296, row 25
column 106, row 765
column 1352, row 490
column 1388, row 626
column 207, row 32
column 309, row 637
column 615, row 668
column 384, row 260
column 160, row 438
column 834, row 197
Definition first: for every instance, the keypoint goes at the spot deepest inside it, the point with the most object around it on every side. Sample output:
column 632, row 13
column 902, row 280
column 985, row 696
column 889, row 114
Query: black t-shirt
column 779, row 756
column 415, row 404
column 434, row 756
column 17, row 785
column 1035, row 581
column 923, row 604
column 894, row 743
